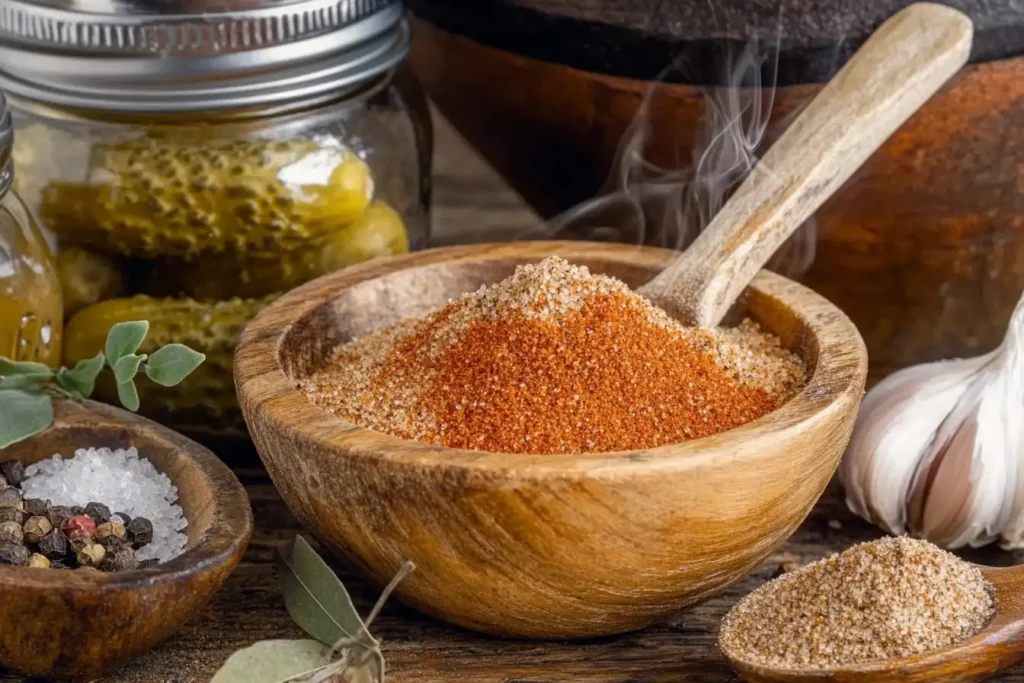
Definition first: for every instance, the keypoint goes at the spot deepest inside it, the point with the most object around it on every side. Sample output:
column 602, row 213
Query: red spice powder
column 555, row 360
column 602, row 379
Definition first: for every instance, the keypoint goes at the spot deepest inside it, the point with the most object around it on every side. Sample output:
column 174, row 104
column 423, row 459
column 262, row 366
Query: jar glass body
column 200, row 219
column 30, row 295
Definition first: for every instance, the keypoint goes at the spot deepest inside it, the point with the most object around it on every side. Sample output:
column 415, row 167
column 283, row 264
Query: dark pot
column 923, row 248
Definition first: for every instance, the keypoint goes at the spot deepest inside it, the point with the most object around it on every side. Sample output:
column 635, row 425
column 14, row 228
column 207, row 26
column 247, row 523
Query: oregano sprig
column 342, row 648
column 27, row 389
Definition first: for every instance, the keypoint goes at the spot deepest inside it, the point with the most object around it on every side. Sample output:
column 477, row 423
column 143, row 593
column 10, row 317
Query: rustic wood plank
column 420, row 650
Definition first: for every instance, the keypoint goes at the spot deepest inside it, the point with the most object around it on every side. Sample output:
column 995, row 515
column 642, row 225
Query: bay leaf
column 272, row 661
column 316, row 598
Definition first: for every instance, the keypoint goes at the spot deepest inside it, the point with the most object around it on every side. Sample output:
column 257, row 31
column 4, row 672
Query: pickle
column 204, row 403
column 86, row 278
column 155, row 197
column 378, row 232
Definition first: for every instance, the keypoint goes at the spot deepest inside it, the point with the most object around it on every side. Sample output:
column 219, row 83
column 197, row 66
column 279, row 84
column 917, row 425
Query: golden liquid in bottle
column 30, row 297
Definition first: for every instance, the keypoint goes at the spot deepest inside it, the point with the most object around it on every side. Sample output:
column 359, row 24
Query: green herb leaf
column 24, row 381
column 23, row 414
column 10, row 367
column 127, row 367
column 124, row 339
column 316, row 598
column 272, row 661
column 82, row 378
column 128, row 394
column 68, row 385
column 172, row 363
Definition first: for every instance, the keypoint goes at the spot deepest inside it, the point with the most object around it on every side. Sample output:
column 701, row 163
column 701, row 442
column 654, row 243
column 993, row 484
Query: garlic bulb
column 936, row 451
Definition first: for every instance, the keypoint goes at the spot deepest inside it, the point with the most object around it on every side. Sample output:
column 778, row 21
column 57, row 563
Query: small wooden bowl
column 552, row 546
column 76, row 625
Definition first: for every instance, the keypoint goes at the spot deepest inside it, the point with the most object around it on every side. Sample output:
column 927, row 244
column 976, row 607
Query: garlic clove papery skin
column 958, row 492
column 937, row 448
column 1012, row 535
column 896, row 423
column 965, row 488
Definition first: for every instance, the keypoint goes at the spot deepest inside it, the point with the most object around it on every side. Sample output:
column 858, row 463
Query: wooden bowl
column 551, row 546
column 922, row 248
column 76, row 625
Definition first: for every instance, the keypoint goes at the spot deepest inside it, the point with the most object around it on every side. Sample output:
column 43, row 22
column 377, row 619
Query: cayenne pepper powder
column 555, row 360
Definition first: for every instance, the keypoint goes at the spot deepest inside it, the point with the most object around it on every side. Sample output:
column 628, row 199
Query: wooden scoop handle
column 895, row 72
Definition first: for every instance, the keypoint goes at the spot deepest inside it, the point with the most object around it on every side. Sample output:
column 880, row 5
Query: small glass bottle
column 30, row 297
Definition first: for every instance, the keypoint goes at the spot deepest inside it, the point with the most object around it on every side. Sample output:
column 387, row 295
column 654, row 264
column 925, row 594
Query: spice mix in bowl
column 558, row 457
column 554, row 359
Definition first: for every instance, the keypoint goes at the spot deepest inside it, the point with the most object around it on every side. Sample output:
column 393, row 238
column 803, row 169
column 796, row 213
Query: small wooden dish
column 76, row 625
column 553, row 546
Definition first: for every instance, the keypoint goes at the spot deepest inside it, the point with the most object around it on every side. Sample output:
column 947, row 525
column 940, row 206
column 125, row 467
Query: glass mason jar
column 194, row 165
column 30, row 296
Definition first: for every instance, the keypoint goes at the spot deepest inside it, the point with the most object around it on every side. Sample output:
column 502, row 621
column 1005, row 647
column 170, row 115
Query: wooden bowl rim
column 264, row 389
column 230, row 530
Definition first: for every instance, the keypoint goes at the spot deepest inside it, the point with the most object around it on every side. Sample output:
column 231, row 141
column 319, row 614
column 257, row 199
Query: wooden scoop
column 895, row 72
column 999, row 646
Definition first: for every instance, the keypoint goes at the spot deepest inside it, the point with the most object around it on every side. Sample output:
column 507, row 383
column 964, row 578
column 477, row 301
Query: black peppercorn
column 11, row 532
column 35, row 528
column 12, row 553
column 58, row 514
column 119, row 560
column 10, row 497
column 13, row 471
column 36, row 507
column 77, row 510
column 112, row 543
column 53, row 545
column 12, row 515
column 99, row 512
column 125, row 517
column 140, row 532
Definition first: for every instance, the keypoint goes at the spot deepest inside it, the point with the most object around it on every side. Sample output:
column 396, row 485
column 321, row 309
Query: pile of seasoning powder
column 555, row 359
column 889, row 598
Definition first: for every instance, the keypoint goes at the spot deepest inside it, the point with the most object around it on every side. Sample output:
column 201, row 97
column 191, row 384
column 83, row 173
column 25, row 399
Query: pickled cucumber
column 378, row 232
column 156, row 197
column 205, row 403
column 86, row 278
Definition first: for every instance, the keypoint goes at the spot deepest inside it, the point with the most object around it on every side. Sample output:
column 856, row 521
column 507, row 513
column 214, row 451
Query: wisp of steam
column 643, row 203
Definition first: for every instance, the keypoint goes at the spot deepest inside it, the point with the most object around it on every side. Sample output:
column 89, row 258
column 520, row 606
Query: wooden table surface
column 472, row 203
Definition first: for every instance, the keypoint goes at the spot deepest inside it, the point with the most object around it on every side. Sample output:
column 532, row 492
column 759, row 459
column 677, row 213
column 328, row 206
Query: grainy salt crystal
column 889, row 598
column 122, row 481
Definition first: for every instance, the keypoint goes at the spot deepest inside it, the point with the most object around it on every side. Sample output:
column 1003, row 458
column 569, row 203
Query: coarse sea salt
column 122, row 481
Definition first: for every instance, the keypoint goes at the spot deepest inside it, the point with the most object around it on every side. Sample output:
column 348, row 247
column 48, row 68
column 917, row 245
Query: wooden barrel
column 923, row 248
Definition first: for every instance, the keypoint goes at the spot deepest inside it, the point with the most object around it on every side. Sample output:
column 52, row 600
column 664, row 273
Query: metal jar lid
column 194, row 55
